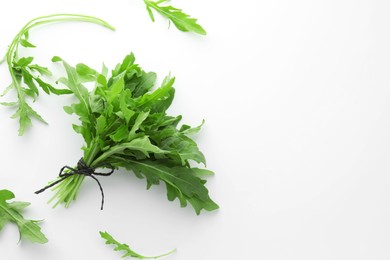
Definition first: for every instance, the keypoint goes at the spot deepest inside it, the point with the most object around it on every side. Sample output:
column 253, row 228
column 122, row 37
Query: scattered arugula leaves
column 181, row 20
column 26, row 76
column 11, row 212
column 128, row 252
column 125, row 125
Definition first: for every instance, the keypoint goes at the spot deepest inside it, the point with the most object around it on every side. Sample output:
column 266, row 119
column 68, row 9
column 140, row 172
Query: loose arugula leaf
column 125, row 125
column 128, row 252
column 27, row 77
column 11, row 212
column 181, row 20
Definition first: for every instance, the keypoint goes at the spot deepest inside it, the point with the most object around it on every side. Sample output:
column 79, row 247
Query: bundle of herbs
column 125, row 125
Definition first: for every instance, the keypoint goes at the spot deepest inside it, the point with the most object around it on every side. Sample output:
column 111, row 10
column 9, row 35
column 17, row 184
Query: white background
column 296, row 99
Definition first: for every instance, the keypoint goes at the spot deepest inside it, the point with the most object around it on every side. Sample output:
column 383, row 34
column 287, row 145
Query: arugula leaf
column 181, row 20
column 181, row 182
column 11, row 212
column 27, row 77
column 128, row 252
column 125, row 125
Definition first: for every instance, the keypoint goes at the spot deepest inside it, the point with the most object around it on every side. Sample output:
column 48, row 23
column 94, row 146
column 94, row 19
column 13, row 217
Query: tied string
column 84, row 170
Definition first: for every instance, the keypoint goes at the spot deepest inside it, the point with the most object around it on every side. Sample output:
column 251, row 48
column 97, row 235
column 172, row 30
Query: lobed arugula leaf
column 182, row 182
column 11, row 212
column 181, row 20
column 128, row 252
column 125, row 125
column 27, row 78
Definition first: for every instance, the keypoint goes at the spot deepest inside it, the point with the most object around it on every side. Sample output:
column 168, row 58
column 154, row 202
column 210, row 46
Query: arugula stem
column 67, row 190
column 105, row 156
column 78, row 180
column 159, row 256
column 90, row 157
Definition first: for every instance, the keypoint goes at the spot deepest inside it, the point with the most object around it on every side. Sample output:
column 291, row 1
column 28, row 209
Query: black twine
column 82, row 169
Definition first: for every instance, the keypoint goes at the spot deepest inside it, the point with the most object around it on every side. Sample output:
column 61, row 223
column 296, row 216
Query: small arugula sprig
column 11, row 212
column 125, row 125
column 181, row 20
column 26, row 76
column 128, row 252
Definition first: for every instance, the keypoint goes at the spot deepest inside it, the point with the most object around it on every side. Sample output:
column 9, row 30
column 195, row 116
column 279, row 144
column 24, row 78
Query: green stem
column 90, row 157
column 106, row 155
column 159, row 256
column 67, row 190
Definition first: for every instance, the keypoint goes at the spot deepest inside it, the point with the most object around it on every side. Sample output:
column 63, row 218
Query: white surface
column 296, row 99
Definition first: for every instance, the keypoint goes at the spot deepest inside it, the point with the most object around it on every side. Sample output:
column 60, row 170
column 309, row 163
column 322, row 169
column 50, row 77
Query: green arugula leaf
column 75, row 85
column 142, row 145
column 125, row 124
column 9, row 104
column 159, row 100
column 86, row 73
column 26, row 44
column 128, row 252
column 181, row 20
column 181, row 182
column 186, row 129
column 183, row 147
column 27, row 77
column 41, row 70
column 11, row 212
column 25, row 113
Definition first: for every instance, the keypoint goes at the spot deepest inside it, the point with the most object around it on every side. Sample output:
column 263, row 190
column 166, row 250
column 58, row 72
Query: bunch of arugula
column 26, row 76
column 11, row 212
column 125, row 125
